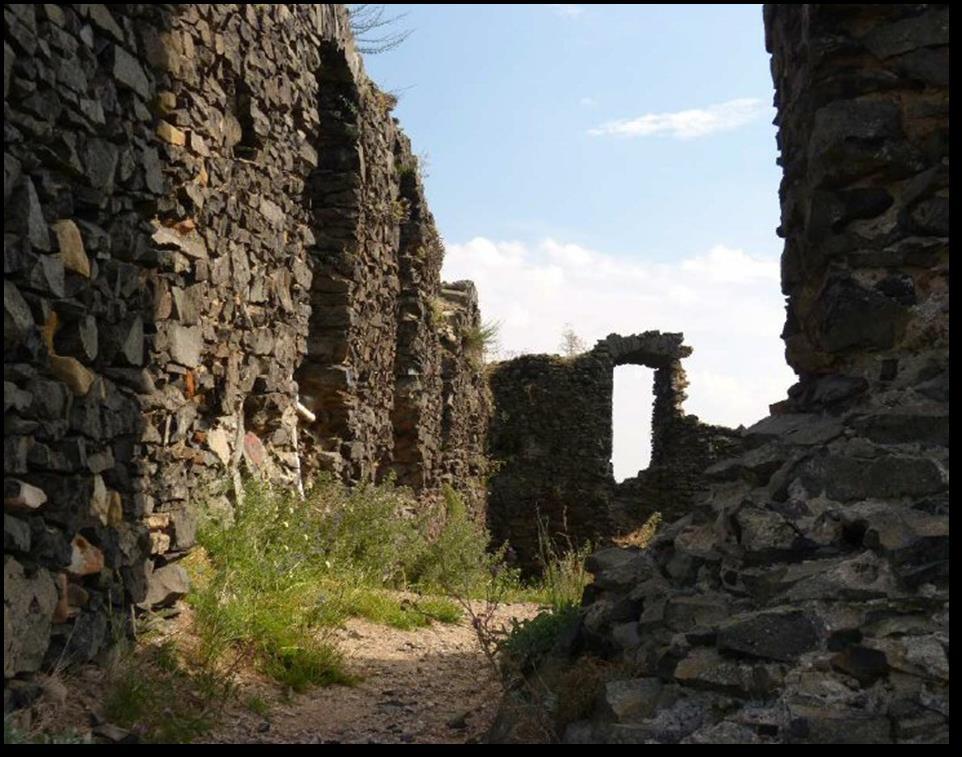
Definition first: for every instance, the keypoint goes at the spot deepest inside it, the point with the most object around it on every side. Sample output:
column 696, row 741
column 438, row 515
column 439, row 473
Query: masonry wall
column 551, row 440
column 805, row 597
column 218, row 260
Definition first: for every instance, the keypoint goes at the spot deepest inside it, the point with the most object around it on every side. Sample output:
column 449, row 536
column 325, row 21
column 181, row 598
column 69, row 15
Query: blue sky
column 611, row 167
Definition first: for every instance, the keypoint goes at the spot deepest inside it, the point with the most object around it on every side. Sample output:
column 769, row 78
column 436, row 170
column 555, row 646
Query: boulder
column 28, row 606
column 165, row 585
column 777, row 634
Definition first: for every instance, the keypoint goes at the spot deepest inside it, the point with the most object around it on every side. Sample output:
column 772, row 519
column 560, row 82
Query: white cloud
column 587, row 102
column 687, row 124
column 567, row 10
column 726, row 301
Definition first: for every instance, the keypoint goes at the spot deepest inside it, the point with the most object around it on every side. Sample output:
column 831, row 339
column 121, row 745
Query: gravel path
column 429, row 685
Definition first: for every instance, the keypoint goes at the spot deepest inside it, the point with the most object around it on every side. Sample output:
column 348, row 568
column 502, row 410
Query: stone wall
column 806, row 598
column 551, row 438
column 218, row 258
column 550, row 443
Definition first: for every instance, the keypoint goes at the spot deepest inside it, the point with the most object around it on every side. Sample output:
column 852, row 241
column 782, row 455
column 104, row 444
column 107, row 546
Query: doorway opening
column 632, row 399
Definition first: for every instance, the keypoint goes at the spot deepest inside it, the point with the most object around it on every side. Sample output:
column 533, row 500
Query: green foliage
column 438, row 310
column 149, row 689
column 483, row 336
column 563, row 576
column 257, row 705
column 458, row 557
column 287, row 569
column 272, row 584
column 531, row 639
column 401, row 210
column 255, row 593
column 480, row 341
column 342, row 600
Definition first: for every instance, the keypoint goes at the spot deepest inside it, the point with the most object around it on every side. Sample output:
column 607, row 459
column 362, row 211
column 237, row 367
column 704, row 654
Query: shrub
column 530, row 640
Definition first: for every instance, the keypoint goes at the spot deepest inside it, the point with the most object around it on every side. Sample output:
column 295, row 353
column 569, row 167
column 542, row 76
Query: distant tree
column 571, row 343
column 374, row 29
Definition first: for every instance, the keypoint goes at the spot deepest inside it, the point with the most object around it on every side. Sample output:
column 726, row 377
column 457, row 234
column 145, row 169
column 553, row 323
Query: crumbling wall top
column 652, row 349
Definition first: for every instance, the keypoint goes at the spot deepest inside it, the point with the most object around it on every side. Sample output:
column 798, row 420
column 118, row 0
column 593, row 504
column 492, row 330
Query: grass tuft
column 150, row 690
column 276, row 581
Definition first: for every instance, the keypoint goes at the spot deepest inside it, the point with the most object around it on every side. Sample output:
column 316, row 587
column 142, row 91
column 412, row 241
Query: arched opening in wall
column 631, row 405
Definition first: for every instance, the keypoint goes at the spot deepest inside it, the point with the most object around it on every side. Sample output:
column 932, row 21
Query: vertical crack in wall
column 417, row 373
column 326, row 378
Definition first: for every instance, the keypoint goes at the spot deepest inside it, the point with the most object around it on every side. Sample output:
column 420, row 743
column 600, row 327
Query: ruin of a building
column 805, row 598
column 550, row 441
column 218, row 259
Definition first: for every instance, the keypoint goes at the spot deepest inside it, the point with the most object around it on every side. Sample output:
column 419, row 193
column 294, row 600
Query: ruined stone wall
column 806, row 598
column 551, row 438
column 466, row 401
column 210, row 217
column 863, row 108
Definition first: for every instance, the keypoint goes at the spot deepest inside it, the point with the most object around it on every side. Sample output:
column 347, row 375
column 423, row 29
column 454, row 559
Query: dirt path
column 430, row 685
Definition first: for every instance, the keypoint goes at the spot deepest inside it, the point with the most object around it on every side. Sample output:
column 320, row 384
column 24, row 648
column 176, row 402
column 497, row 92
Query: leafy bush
column 530, row 640
column 457, row 560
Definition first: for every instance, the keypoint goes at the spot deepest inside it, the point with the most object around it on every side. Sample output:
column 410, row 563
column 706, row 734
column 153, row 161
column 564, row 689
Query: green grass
column 286, row 571
column 342, row 601
column 149, row 689
column 273, row 584
column 257, row 705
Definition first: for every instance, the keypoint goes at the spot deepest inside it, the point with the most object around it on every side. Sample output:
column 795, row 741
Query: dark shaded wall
column 550, row 444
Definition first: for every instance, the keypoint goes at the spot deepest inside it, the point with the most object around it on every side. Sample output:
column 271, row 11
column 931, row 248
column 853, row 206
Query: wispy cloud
column 587, row 102
column 567, row 10
column 687, row 124
column 726, row 301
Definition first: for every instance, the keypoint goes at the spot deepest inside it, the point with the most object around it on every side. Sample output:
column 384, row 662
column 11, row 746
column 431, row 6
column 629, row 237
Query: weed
column 257, row 705
column 530, row 640
column 150, row 690
column 641, row 537
column 439, row 312
column 271, row 583
column 401, row 210
column 481, row 340
column 12, row 734
column 563, row 573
